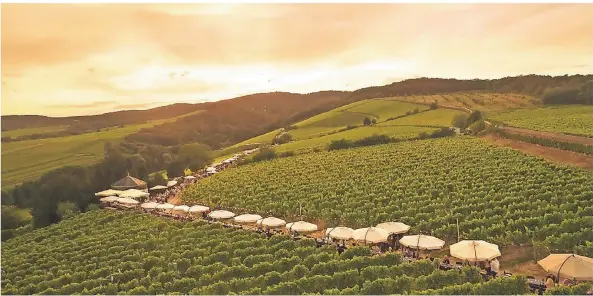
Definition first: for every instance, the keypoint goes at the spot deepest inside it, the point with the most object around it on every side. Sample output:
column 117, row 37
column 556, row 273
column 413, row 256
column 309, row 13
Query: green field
column 321, row 143
column 572, row 120
column 261, row 139
column 384, row 109
column 353, row 114
column 31, row 131
column 427, row 184
column 28, row 160
column 312, row 132
column 438, row 117
column 103, row 252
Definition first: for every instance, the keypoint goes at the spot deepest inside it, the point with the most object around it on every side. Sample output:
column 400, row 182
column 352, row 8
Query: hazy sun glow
column 69, row 59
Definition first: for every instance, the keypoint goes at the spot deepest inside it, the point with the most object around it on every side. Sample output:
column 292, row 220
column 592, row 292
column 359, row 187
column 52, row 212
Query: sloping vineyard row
column 103, row 252
column 496, row 193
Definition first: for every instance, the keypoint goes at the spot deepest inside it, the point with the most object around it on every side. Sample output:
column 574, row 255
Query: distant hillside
column 228, row 122
column 12, row 122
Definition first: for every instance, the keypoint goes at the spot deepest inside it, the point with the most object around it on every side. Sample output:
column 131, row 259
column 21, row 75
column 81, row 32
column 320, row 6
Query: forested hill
column 535, row 85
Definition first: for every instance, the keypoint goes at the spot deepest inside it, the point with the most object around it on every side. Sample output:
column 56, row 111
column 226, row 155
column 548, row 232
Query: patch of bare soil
column 551, row 154
column 519, row 260
column 175, row 200
column 554, row 136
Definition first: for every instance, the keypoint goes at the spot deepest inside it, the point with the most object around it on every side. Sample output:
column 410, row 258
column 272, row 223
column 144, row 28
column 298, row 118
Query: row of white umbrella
column 130, row 193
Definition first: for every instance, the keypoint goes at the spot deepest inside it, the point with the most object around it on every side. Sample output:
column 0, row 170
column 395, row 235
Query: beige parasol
column 569, row 266
column 474, row 250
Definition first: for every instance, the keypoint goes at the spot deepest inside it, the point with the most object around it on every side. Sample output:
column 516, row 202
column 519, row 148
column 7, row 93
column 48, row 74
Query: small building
column 129, row 182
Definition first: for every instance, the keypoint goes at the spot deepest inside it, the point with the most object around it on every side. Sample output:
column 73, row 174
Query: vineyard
column 498, row 194
column 105, row 252
column 481, row 101
column 572, row 120
column 321, row 142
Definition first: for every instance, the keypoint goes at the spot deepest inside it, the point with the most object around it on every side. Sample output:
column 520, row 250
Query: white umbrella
column 108, row 192
column 394, row 227
column 271, row 222
column 344, row 233
column 134, row 193
column 301, row 226
column 371, row 235
column 213, row 169
column 129, row 201
column 158, row 187
column 149, row 205
column 182, row 208
column 221, row 214
column 165, row 206
column 189, row 177
column 109, row 199
column 247, row 218
column 474, row 250
column 171, row 183
column 198, row 209
column 569, row 266
column 422, row 242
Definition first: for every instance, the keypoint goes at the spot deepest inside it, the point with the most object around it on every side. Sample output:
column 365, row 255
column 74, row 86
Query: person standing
column 494, row 267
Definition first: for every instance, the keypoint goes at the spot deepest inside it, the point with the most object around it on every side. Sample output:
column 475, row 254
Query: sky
column 79, row 59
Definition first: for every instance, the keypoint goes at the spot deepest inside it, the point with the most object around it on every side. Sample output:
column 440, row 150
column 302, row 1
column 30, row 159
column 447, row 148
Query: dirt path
column 548, row 135
column 551, row 154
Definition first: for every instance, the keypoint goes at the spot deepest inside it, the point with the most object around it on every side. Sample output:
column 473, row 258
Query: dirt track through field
column 551, row 154
column 548, row 135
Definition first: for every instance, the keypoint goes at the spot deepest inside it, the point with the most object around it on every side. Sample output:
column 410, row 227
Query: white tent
column 181, row 208
column 569, row 266
column 221, row 214
column 422, row 242
column 301, row 226
column 134, row 193
column 165, row 206
column 370, row 235
column 149, row 205
column 271, row 222
column 125, row 200
column 344, row 233
column 394, row 227
column 189, row 177
column 158, row 187
column 210, row 169
column 109, row 199
column 171, row 183
column 227, row 161
column 198, row 209
column 108, row 192
column 247, row 218
column 474, row 250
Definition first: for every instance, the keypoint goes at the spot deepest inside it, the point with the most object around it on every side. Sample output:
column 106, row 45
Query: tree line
column 77, row 184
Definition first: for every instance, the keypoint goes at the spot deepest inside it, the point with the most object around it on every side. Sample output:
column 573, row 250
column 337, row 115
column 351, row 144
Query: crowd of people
column 183, row 182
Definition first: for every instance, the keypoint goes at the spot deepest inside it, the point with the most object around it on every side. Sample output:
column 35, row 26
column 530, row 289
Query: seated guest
column 549, row 281
column 494, row 267
column 446, row 260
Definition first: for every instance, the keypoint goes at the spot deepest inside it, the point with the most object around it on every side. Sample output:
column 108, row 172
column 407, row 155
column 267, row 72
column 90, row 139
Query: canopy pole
column 558, row 279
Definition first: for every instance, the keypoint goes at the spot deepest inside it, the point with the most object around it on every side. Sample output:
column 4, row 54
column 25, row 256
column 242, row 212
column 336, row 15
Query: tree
column 156, row 179
column 460, row 121
column 433, row 105
column 195, row 156
column 282, row 139
column 475, row 116
column 175, row 169
column 374, row 121
column 13, row 217
column 167, row 159
column 366, row 121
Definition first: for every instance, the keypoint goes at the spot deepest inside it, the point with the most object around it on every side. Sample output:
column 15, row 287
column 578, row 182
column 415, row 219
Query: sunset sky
column 60, row 59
